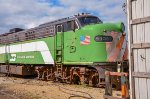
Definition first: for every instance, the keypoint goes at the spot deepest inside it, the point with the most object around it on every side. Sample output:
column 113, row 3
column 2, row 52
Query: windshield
column 89, row 20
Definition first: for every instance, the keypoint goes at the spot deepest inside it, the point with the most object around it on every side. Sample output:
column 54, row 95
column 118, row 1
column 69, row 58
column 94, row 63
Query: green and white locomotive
column 76, row 49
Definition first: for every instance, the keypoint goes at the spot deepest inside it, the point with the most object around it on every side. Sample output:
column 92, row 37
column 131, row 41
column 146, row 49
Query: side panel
column 40, row 51
column 81, row 47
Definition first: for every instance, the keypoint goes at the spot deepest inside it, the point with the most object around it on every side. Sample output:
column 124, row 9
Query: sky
column 31, row 13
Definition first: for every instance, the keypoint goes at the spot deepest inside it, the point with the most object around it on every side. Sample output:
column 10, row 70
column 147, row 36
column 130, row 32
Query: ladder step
column 59, row 55
column 59, row 48
column 59, row 68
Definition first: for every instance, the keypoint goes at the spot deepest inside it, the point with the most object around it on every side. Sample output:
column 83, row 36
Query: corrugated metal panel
column 139, row 34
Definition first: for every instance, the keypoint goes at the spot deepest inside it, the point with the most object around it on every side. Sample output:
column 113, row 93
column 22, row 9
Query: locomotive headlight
column 122, row 27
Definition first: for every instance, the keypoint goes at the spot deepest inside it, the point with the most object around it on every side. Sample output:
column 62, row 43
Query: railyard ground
column 29, row 88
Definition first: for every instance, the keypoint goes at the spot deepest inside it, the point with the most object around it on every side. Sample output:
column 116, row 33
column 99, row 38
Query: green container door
column 59, row 44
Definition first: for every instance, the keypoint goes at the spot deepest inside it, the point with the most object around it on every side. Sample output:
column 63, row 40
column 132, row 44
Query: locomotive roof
column 50, row 23
column 65, row 19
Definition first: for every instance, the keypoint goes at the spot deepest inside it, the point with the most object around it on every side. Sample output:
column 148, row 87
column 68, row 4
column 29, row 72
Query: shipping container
column 139, row 48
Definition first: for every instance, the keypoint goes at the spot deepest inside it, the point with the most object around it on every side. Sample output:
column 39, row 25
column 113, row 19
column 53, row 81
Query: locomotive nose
column 116, row 48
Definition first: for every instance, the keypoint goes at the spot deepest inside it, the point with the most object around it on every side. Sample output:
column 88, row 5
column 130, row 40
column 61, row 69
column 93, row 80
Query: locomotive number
column 100, row 38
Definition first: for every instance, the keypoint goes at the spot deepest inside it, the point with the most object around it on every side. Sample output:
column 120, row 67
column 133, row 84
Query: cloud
column 108, row 10
column 31, row 13
column 23, row 13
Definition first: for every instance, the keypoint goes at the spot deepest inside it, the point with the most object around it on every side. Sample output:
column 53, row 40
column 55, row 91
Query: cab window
column 89, row 20
column 69, row 24
column 59, row 28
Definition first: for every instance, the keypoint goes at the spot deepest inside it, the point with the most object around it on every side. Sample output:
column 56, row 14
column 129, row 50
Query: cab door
column 70, row 48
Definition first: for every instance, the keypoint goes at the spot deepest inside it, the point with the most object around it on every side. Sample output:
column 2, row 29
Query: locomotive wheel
column 95, row 81
column 44, row 78
column 93, row 78
column 76, row 79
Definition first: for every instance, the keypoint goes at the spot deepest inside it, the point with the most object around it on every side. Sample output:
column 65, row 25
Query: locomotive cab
column 93, row 41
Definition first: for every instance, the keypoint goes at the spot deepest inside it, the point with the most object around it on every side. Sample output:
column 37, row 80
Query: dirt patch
column 33, row 89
